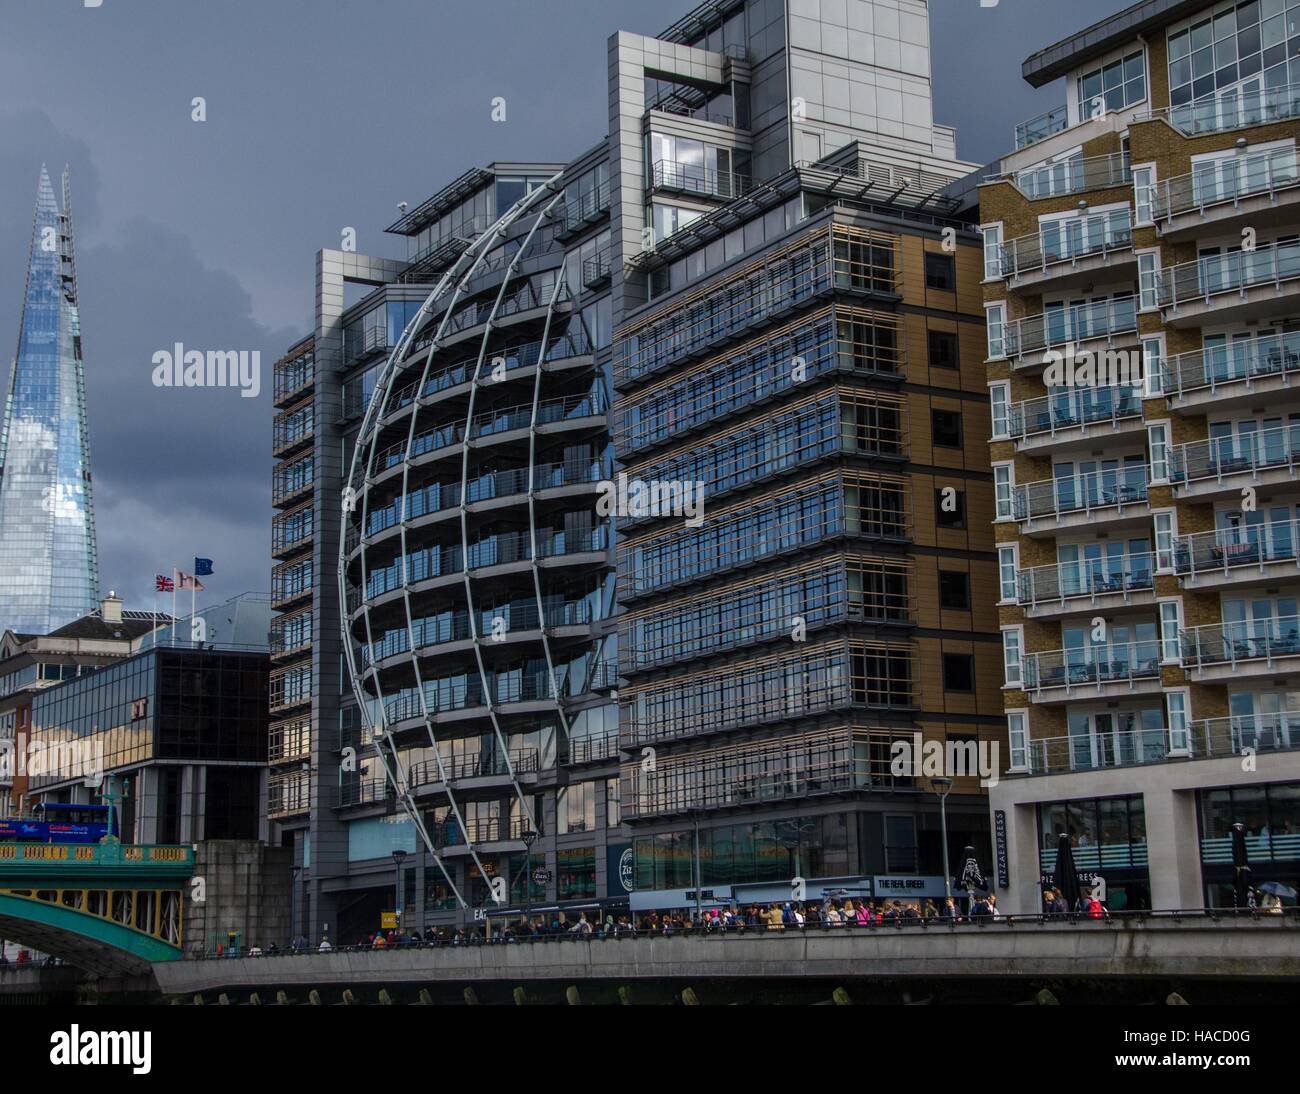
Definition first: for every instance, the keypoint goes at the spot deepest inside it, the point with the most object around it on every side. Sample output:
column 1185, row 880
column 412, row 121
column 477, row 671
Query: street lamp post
column 942, row 787
column 528, row 836
column 399, row 857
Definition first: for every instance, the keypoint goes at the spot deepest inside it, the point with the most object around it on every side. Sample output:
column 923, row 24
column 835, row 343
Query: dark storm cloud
column 322, row 114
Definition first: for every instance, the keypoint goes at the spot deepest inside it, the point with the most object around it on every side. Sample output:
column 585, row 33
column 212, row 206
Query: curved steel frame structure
column 454, row 282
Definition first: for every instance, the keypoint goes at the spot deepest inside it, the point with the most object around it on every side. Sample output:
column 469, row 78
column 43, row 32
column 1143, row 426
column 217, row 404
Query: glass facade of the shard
column 49, row 571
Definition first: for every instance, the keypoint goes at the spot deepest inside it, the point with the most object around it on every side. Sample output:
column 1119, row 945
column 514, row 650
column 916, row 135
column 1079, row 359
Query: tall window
column 1148, row 284
column 1000, row 406
column 993, row 252
column 995, row 316
column 1143, row 183
column 1018, row 740
column 1170, row 617
column 1179, row 725
column 1007, row 573
column 1165, row 532
column 1002, row 483
column 1011, row 656
column 1158, row 437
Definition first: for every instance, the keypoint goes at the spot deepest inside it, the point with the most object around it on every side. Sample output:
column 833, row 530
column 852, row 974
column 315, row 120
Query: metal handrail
column 1227, row 180
column 1213, row 275
column 1042, row 126
column 1117, row 663
column 1252, row 545
column 1073, row 176
column 1267, row 355
column 1085, row 493
column 1087, row 578
column 1216, row 114
column 1222, row 456
column 1070, row 408
column 1092, row 752
column 1080, row 237
column 1230, row 643
column 1228, row 736
column 1078, row 323
column 688, row 178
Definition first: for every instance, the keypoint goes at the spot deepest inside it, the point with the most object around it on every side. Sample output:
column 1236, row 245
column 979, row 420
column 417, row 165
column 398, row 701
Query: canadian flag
column 187, row 581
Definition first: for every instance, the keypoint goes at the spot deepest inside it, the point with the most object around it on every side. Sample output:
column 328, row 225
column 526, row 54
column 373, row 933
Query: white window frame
column 1151, row 184
column 1000, row 307
column 1018, row 754
column 1018, row 633
column 1161, row 425
column 1010, row 469
column 1156, row 514
column 1154, row 294
column 1153, row 377
column 1000, row 388
column 992, row 232
column 1014, row 550
column 1180, row 740
column 1166, row 657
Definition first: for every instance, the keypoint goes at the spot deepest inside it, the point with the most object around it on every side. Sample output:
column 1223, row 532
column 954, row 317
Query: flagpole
column 176, row 575
column 194, row 592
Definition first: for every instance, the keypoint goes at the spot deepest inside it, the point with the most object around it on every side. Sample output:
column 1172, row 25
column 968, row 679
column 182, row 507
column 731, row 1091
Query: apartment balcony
column 1255, row 649
column 1042, row 126
column 293, row 380
column 695, row 180
column 1092, row 326
column 1233, row 374
column 1049, row 506
column 1279, row 732
column 1075, row 416
column 1226, row 465
column 1074, row 176
column 1258, row 190
column 1233, row 557
column 1102, row 751
column 485, row 771
column 597, row 271
column 1093, row 585
column 583, row 211
column 375, row 791
column 488, row 835
column 1238, row 111
column 1232, row 288
column 1094, row 672
column 1065, row 253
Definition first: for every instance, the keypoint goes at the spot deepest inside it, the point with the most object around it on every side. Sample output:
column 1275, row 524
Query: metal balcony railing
column 1086, row 579
column 1077, row 323
column 1277, row 732
column 1073, row 176
column 1070, row 408
column 1082, row 494
column 1067, row 241
column 1235, row 111
column 1098, row 751
column 1232, row 643
column 585, row 750
column 1221, row 457
column 598, row 268
column 1247, row 359
column 1226, row 180
column 586, row 208
column 1211, row 276
column 1253, row 545
column 690, row 178
column 1042, row 126
column 483, row 765
column 1119, row 663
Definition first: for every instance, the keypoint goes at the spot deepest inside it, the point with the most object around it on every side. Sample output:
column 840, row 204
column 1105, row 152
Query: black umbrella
column 1276, row 888
column 1066, row 877
column 969, row 877
column 1241, row 896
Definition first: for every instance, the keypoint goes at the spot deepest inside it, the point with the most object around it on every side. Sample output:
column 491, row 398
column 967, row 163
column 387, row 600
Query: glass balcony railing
column 1233, row 643
column 1067, row 241
column 1234, row 110
column 1226, row 180
column 1098, row 751
column 1043, row 126
column 1214, row 275
column 1252, row 545
column 1248, row 359
column 1223, row 456
column 1086, row 493
column 1276, row 732
column 1084, row 579
column 1071, row 408
column 1060, row 327
column 1120, row 663
column 1074, row 176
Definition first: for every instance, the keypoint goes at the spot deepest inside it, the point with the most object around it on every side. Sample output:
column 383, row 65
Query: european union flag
column 202, row 567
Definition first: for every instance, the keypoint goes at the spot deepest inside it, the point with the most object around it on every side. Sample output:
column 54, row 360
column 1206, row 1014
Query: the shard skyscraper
column 49, row 568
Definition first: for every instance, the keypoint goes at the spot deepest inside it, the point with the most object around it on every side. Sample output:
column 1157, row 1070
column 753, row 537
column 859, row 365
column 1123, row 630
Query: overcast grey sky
column 321, row 114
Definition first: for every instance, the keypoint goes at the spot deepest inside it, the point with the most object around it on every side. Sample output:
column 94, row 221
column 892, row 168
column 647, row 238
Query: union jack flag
column 163, row 584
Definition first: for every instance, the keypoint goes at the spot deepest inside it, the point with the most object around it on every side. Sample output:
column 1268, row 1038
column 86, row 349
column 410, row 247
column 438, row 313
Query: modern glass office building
column 49, row 569
column 447, row 445
column 1148, row 517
